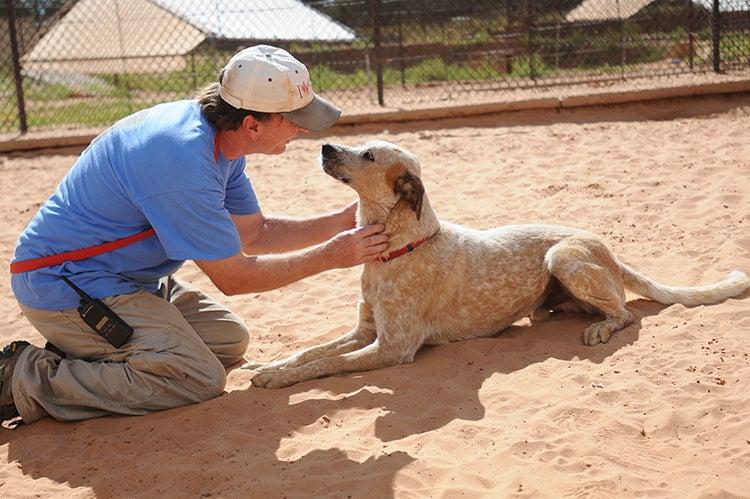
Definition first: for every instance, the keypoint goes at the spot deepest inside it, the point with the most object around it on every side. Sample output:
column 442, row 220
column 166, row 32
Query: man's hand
column 349, row 216
column 357, row 246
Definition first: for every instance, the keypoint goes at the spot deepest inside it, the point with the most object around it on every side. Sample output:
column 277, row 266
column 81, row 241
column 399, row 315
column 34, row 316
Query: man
column 162, row 186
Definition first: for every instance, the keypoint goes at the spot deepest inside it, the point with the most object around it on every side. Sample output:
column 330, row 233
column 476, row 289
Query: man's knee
column 212, row 379
column 235, row 338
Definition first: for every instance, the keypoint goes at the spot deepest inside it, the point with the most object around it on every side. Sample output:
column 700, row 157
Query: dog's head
column 379, row 171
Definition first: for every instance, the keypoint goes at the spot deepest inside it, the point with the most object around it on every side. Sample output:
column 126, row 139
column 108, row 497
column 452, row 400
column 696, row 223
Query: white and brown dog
column 439, row 282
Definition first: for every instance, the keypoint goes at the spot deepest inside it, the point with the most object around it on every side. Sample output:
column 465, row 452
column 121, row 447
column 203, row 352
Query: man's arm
column 261, row 235
column 251, row 274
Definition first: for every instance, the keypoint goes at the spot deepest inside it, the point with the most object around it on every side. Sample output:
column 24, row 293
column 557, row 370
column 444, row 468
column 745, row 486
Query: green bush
column 528, row 67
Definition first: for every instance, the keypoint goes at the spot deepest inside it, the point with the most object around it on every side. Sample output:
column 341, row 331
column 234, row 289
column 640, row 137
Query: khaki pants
column 176, row 356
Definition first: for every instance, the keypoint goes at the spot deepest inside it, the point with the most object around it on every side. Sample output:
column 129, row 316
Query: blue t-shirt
column 155, row 168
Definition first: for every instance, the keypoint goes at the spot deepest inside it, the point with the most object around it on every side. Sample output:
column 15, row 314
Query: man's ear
column 250, row 126
column 411, row 190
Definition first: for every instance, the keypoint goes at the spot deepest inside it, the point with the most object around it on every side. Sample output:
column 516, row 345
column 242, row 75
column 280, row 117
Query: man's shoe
column 8, row 358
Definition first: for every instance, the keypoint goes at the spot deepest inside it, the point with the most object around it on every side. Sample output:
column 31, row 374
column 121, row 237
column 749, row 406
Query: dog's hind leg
column 590, row 273
column 558, row 301
column 571, row 306
column 357, row 338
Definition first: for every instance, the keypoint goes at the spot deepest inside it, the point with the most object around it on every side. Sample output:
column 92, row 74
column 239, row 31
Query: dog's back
column 465, row 283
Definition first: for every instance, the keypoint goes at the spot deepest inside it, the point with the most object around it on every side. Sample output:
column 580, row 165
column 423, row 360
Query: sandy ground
column 662, row 410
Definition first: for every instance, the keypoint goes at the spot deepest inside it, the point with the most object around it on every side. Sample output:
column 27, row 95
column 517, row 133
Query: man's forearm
column 278, row 235
column 254, row 274
column 251, row 274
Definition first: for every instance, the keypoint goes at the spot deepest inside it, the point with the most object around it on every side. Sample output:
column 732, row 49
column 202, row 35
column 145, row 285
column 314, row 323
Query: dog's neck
column 400, row 221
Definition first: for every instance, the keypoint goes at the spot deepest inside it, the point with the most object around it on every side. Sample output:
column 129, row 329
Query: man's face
column 273, row 135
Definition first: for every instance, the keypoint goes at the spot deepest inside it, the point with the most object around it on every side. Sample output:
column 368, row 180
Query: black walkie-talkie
column 101, row 318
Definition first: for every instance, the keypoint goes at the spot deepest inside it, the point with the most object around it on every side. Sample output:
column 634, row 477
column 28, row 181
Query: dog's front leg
column 373, row 356
column 355, row 339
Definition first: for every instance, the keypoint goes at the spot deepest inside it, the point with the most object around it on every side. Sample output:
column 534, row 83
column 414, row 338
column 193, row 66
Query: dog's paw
column 252, row 365
column 598, row 332
column 272, row 379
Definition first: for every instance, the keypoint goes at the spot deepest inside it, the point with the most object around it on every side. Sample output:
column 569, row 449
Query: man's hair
column 221, row 114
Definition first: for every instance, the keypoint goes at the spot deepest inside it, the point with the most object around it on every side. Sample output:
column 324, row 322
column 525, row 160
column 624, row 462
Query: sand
column 661, row 410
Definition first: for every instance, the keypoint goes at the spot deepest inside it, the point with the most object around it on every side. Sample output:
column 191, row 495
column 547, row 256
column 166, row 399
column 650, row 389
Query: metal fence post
column 691, row 35
column 716, row 35
column 16, row 66
column 401, row 49
column 375, row 15
column 530, row 37
column 623, row 53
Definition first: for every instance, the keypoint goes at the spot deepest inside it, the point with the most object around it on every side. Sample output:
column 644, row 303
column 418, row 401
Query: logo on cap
column 304, row 89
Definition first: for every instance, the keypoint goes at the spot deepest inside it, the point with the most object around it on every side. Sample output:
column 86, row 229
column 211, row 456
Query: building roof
column 726, row 5
column 114, row 36
column 603, row 10
column 258, row 20
column 133, row 36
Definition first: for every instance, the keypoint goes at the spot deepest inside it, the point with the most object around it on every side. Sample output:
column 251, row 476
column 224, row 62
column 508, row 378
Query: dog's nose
column 328, row 149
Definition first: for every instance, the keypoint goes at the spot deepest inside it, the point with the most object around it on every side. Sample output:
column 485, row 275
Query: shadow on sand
column 237, row 443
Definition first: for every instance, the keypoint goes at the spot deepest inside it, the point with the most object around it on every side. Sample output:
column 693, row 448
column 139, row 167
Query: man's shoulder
column 165, row 148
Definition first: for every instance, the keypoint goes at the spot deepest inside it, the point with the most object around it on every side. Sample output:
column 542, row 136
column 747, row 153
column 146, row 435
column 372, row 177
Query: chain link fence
column 68, row 63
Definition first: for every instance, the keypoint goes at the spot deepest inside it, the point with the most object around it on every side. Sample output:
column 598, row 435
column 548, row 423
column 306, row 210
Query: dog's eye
column 368, row 156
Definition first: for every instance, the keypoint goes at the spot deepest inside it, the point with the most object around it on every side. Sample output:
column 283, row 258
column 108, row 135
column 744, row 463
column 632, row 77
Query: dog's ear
column 411, row 190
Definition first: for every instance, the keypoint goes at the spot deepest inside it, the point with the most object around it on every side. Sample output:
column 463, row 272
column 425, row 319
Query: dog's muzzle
column 330, row 163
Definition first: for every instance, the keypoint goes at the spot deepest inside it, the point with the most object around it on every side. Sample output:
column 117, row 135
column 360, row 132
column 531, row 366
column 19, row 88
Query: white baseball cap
column 270, row 80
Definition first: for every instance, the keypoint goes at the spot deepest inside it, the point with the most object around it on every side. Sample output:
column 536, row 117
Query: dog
column 440, row 282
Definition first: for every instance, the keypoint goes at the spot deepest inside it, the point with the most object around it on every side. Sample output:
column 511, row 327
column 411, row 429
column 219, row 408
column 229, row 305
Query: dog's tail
column 734, row 284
